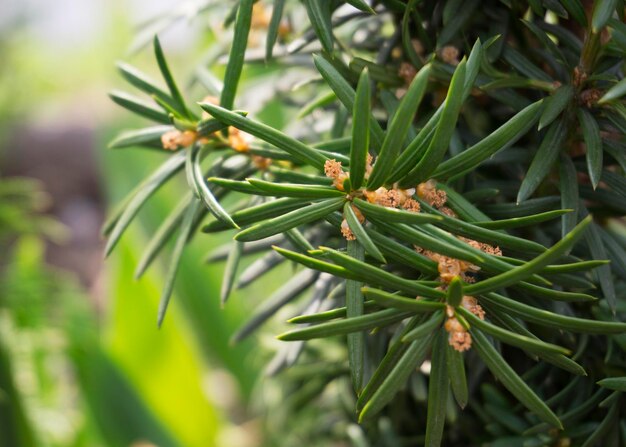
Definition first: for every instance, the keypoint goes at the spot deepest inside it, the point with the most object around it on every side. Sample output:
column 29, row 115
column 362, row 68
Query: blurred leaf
column 502, row 138
column 354, row 308
column 319, row 15
column 148, row 136
column 346, row 326
column 615, row 92
column 593, row 143
column 266, row 133
column 145, row 191
column 509, row 378
column 234, row 66
column 181, row 241
column 359, row 148
column 438, row 384
column 543, row 160
column 139, row 107
column 274, row 28
column 179, row 102
column 289, row 220
column 361, row 235
column 602, row 12
column 550, row 319
column 455, row 366
column 399, row 127
column 441, row 139
column 555, row 104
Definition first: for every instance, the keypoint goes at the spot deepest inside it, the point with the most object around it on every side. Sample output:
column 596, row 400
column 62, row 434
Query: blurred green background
column 82, row 362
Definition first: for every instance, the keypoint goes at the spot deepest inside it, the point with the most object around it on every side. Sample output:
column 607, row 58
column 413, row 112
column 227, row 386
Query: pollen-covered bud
column 346, row 231
column 407, row 72
column 174, row 139
column 239, row 140
column 448, row 268
column 453, row 325
column 359, row 215
column 447, row 211
column 261, row 162
column 460, row 341
column 428, row 192
column 332, row 169
column 470, row 303
column 450, row 55
column 369, row 165
column 411, row 205
column 169, row 140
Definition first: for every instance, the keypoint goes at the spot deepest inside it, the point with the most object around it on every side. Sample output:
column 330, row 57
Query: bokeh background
column 82, row 362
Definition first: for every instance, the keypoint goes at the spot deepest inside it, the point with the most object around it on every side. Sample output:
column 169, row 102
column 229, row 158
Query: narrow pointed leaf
column 544, row 159
column 204, row 192
column 230, row 270
column 555, row 104
column 185, row 231
column 148, row 137
column 290, row 145
column 354, row 308
column 162, row 235
column 257, row 213
column 509, row 378
column 296, row 190
column 511, row 338
column 349, row 325
column 232, row 74
column 455, row 292
column 603, row 273
column 438, row 384
column 502, row 138
column 139, row 107
column 359, row 148
column 316, row 264
column 291, row 290
column 333, row 314
column 462, row 228
column 361, row 5
column 396, row 378
column 144, row 83
column 524, row 271
column 443, row 133
column 549, row 319
column 425, row 328
column 179, row 102
column 319, row 15
column 615, row 92
column 576, row 9
column 456, row 373
column 602, row 12
column 399, row 126
column 614, row 383
column 273, row 28
column 401, row 253
column 390, row 300
column 292, row 219
column 361, row 235
column 394, row 215
column 346, row 95
column 593, row 143
column 516, row 222
column 166, row 171
column 568, row 182
column 375, row 275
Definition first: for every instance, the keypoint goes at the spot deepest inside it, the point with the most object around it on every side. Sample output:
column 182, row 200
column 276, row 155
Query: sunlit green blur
column 82, row 362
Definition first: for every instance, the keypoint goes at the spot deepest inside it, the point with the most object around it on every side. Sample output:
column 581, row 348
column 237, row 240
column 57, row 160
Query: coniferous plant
column 453, row 192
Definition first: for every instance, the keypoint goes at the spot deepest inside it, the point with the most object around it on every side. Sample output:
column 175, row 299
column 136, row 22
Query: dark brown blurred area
column 63, row 158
